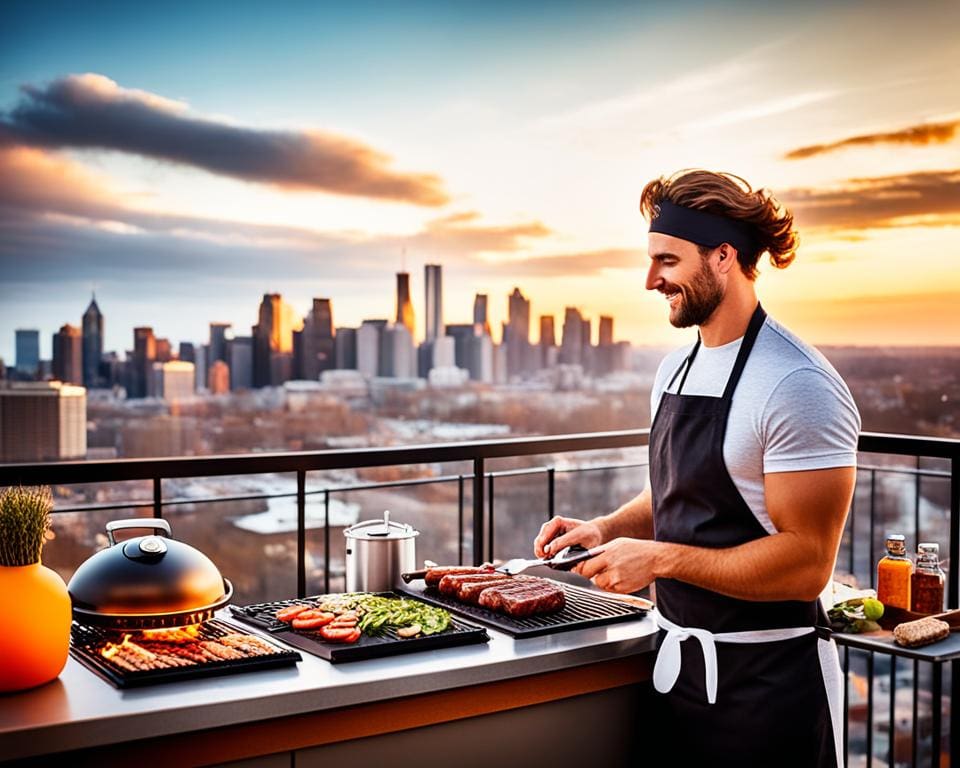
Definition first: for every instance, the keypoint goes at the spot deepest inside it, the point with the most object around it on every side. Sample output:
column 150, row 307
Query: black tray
column 584, row 608
column 86, row 640
column 261, row 615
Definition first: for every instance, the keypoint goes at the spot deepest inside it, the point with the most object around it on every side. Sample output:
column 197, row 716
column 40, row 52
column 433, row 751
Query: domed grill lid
column 147, row 581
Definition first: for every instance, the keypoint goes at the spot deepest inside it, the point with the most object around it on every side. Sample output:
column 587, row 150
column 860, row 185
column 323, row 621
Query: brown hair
column 728, row 195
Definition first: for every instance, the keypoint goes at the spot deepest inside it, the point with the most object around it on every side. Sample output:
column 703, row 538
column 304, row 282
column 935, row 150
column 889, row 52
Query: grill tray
column 261, row 616
column 86, row 641
column 584, row 608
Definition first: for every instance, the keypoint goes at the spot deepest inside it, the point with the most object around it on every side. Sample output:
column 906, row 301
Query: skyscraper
column 68, row 355
column 273, row 341
column 606, row 331
column 433, row 285
column 92, row 324
column 404, row 305
column 369, row 344
column 345, row 345
column 571, row 345
column 218, row 342
column 480, row 312
column 144, row 356
column 518, row 334
column 548, row 336
column 42, row 421
column 28, row 353
column 316, row 341
column 240, row 363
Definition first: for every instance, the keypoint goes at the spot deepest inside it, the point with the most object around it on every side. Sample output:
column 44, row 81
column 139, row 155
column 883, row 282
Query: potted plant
column 34, row 603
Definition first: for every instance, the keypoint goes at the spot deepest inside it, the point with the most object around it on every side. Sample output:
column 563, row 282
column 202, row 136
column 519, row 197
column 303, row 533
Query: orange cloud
column 927, row 133
column 93, row 111
column 456, row 233
column 884, row 201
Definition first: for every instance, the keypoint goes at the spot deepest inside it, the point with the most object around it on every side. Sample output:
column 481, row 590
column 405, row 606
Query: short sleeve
column 810, row 421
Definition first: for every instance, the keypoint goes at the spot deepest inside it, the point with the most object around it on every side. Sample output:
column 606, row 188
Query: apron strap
column 753, row 329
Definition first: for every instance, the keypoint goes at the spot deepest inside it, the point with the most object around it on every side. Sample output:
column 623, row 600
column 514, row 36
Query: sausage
column 434, row 575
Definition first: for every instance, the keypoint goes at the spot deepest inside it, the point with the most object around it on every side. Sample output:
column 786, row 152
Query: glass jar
column 926, row 584
column 893, row 574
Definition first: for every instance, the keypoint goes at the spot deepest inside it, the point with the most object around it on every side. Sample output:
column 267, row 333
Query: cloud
column 458, row 233
column 569, row 264
column 92, row 111
column 930, row 197
column 923, row 134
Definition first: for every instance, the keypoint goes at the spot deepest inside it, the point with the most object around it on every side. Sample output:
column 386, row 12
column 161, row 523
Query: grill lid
column 147, row 581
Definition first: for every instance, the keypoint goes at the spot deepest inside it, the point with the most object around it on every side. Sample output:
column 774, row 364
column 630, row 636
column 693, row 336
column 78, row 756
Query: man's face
column 686, row 278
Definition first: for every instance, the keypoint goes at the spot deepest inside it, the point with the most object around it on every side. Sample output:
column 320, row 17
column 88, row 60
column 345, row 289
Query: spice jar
column 893, row 574
column 926, row 584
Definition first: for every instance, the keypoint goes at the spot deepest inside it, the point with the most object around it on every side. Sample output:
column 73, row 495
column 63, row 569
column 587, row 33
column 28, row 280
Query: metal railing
column 482, row 482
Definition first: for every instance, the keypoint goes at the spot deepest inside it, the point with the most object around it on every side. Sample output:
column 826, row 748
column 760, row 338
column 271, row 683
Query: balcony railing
column 858, row 551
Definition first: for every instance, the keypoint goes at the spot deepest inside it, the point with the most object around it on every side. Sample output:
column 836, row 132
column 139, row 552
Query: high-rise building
column 571, row 343
column 200, row 366
column 219, row 378
column 144, row 356
column 369, row 343
column 316, row 351
column 187, row 352
column 445, row 353
column 92, row 324
column 399, row 359
column 480, row 312
column 404, row 304
column 42, row 421
column 28, row 353
column 606, row 331
column 164, row 351
column 461, row 333
column 173, row 380
column 517, row 337
column 273, row 341
column 548, row 342
column 240, row 362
column 219, row 335
column 433, row 286
column 345, row 345
column 68, row 355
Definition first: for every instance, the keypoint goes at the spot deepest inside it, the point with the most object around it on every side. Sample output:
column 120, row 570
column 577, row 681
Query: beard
column 698, row 300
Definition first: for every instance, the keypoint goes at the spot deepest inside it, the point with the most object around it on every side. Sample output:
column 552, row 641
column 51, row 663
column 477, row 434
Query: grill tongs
column 564, row 560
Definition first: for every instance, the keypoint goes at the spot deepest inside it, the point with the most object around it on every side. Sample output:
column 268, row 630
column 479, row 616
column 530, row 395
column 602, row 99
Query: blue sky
column 507, row 141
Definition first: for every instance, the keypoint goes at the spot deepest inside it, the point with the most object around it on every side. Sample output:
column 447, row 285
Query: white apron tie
column 666, row 670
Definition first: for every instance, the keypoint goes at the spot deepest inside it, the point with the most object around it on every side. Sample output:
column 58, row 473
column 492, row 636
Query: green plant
column 24, row 522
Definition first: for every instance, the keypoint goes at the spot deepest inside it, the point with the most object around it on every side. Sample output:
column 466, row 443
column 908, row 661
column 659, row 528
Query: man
column 752, row 470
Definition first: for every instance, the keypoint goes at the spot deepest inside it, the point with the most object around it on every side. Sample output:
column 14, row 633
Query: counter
column 315, row 703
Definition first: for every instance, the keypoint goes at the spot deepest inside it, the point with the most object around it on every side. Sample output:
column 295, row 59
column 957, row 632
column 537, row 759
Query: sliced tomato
column 340, row 634
column 291, row 612
column 339, row 622
column 314, row 620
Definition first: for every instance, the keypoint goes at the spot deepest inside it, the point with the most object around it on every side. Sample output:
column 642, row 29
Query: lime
column 872, row 608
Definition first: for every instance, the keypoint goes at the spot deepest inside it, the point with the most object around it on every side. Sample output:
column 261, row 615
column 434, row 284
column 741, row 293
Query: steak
column 524, row 599
column 450, row 584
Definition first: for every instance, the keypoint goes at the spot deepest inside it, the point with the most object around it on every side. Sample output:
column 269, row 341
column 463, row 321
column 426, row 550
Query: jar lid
column 381, row 529
column 896, row 544
column 928, row 548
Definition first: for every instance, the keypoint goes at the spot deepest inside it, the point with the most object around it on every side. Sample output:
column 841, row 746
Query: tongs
column 564, row 560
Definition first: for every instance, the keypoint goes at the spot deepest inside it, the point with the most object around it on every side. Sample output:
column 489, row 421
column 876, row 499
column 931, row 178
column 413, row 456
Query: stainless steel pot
column 147, row 581
column 378, row 551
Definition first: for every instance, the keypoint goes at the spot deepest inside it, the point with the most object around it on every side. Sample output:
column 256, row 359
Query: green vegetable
column 856, row 615
column 872, row 608
column 382, row 613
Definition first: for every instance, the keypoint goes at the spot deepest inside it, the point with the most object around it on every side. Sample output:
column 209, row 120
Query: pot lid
column 381, row 529
column 146, row 576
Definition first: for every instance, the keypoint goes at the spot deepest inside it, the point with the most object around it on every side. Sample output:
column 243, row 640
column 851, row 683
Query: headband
column 702, row 228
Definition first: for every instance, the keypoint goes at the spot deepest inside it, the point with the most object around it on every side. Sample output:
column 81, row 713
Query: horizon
column 313, row 152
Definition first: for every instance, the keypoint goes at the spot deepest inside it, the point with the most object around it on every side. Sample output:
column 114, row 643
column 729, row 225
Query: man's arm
column 633, row 519
column 808, row 509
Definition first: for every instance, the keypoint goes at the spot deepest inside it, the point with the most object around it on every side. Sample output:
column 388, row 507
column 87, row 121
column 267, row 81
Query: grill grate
column 262, row 616
column 86, row 641
column 584, row 608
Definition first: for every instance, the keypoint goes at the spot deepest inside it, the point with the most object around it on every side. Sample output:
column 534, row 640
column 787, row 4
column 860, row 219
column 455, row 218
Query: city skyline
column 352, row 144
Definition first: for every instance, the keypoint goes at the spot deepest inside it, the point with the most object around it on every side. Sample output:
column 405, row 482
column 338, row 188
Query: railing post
column 490, row 519
column 478, row 537
column 157, row 497
column 301, row 533
column 460, row 520
column 326, row 543
column 953, row 600
column 551, row 484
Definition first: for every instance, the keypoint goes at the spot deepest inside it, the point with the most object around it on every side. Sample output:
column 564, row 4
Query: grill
column 584, row 608
column 87, row 642
column 262, row 616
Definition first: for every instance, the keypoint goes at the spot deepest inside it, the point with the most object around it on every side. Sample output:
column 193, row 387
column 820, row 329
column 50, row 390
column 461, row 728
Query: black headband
column 702, row 228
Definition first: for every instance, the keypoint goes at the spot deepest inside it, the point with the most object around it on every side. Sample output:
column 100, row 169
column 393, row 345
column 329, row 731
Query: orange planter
column 34, row 626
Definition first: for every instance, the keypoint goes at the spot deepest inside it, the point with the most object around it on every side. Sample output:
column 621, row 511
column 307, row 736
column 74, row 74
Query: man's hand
column 560, row 532
column 624, row 565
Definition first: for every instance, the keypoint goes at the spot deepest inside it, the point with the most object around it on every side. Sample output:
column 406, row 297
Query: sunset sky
column 184, row 159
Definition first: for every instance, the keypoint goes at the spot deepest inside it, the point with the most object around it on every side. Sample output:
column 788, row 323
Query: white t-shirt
column 791, row 411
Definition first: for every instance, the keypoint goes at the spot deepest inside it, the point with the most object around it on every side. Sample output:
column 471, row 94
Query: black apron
column 771, row 702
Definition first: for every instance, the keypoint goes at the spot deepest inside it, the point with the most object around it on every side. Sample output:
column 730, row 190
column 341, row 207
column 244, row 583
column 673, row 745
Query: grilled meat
column 434, row 575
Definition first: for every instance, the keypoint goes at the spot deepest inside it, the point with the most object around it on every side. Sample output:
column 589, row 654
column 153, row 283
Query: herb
column 24, row 522
column 856, row 615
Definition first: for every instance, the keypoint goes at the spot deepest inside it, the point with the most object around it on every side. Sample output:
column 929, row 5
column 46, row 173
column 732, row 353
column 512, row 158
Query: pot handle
column 137, row 522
